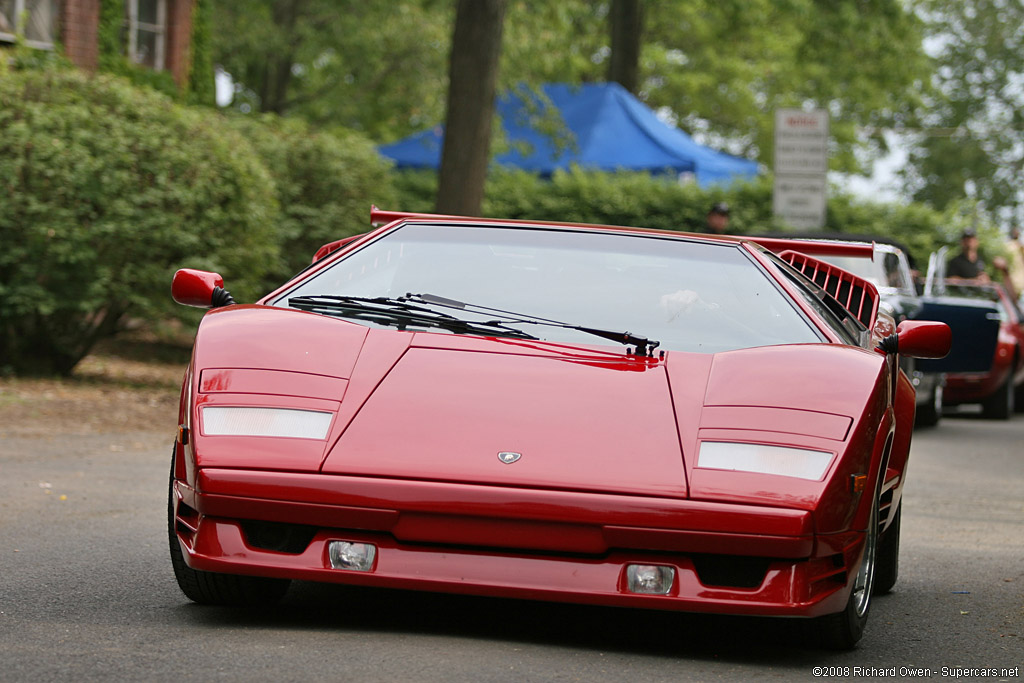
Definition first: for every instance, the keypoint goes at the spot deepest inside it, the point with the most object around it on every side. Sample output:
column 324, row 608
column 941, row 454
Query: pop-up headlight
column 246, row 421
column 763, row 459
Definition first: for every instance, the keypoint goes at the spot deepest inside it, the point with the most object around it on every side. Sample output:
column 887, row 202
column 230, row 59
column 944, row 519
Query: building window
column 147, row 29
column 35, row 20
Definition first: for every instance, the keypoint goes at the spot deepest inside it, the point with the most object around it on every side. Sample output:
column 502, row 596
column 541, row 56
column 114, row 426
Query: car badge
column 508, row 457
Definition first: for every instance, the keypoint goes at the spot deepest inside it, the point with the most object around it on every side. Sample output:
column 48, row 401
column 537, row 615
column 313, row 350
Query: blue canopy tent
column 611, row 128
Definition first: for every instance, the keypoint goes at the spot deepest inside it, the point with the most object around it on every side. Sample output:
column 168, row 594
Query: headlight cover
column 784, row 461
column 249, row 421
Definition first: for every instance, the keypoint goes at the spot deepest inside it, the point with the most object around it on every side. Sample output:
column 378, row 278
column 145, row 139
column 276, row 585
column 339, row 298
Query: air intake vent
column 731, row 571
column 856, row 295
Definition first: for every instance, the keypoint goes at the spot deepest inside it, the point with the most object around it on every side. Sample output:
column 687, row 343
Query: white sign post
column 801, row 167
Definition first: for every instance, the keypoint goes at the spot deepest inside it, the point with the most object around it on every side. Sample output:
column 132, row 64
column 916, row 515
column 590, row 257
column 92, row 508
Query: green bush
column 659, row 202
column 325, row 185
column 106, row 189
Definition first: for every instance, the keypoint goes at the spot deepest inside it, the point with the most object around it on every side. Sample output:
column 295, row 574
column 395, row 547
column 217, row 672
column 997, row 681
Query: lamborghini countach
column 578, row 413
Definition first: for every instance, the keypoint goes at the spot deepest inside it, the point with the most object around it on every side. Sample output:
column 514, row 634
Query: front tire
column 842, row 631
column 887, row 561
column 1000, row 405
column 929, row 414
column 211, row 588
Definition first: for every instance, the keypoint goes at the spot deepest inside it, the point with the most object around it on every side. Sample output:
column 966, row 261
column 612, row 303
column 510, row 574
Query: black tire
column 929, row 414
column 211, row 588
column 1000, row 405
column 843, row 630
column 1018, row 399
column 887, row 559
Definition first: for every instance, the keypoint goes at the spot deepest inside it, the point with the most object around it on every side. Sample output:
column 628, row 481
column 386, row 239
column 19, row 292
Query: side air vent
column 856, row 295
column 283, row 538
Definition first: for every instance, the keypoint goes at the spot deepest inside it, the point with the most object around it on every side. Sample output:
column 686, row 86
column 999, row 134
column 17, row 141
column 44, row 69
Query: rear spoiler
column 815, row 247
column 380, row 217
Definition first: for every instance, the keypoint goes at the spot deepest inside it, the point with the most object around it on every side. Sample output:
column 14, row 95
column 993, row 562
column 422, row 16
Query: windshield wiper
column 401, row 314
column 644, row 346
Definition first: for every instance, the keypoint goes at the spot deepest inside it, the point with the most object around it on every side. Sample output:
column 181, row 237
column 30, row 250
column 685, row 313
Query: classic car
column 578, row 413
column 985, row 365
column 997, row 382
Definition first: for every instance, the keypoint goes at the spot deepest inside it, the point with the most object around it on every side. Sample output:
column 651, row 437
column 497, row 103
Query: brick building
column 157, row 34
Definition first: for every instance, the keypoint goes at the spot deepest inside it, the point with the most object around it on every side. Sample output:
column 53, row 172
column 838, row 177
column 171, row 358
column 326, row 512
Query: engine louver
column 855, row 294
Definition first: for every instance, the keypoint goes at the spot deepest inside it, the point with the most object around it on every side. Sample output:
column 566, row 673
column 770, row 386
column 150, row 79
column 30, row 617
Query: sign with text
column 800, row 200
column 801, row 167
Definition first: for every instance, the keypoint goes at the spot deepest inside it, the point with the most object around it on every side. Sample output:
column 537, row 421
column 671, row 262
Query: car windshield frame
column 785, row 321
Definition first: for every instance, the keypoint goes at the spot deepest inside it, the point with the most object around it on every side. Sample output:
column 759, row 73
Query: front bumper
column 504, row 542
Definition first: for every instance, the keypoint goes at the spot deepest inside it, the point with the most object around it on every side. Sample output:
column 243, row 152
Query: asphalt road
column 86, row 591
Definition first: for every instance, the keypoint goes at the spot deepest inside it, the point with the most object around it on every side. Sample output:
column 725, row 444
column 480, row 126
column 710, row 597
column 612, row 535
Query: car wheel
column 212, row 588
column 1018, row 399
column 1000, row 405
column 887, row 560
column 842, row 631
column 929, row 414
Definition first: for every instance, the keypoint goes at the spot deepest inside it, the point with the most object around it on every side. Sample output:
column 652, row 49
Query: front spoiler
column 807, row 575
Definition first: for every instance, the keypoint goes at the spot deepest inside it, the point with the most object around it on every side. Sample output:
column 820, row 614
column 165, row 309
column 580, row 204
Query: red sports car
column 549, row 411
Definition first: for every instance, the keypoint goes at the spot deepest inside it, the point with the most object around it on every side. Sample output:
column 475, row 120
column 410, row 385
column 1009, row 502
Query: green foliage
column 110, row 35
column 970, row 143
column 202, row 86
column 377, row 67
column 112, row 59
column 638, row 199
column 325, row 185
column 20, row 57
column 382, row 67
column 105, row 190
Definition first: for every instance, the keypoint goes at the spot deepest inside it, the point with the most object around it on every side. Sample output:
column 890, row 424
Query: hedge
column 106, row 189
column 325, row 184
column 643, row 200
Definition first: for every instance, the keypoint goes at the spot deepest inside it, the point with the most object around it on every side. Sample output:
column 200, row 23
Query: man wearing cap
column 967, row 265
column 718, row 219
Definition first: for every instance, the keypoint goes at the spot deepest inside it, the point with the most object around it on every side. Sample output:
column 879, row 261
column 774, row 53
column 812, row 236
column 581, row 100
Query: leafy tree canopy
column 969, row 144
column 718, row 67
column 379, row 67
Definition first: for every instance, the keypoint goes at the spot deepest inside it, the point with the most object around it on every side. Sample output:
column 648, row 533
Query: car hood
column 569, row 417
column 443, row 407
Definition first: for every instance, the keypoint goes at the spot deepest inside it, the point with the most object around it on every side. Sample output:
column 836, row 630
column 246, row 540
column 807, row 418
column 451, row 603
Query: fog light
column 650, row 578
column 357, row 557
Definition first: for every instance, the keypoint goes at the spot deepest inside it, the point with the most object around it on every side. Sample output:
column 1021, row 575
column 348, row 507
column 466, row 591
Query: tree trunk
column 473, row 76
column 626, row 22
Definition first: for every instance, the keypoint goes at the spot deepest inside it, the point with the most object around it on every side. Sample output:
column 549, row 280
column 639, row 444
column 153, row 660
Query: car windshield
column 689, row 295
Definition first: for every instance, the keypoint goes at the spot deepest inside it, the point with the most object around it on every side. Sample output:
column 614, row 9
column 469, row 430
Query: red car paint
column 609, row 441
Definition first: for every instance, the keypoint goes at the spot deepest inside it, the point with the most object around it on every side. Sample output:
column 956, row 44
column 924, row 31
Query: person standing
column 717, row 221
column 1015, row 266
column 968, row 266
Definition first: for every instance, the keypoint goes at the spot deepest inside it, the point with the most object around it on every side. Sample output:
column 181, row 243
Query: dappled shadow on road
column 629, row 631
